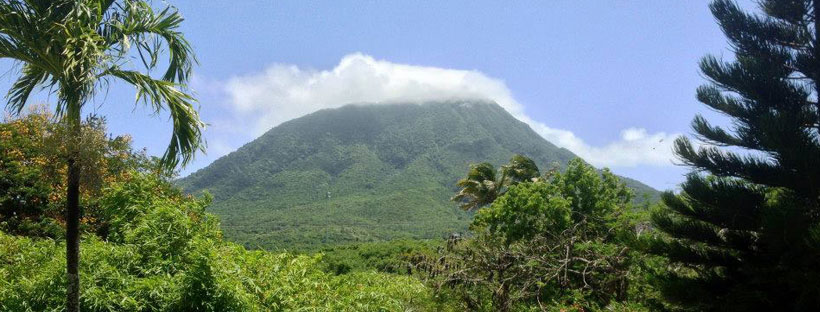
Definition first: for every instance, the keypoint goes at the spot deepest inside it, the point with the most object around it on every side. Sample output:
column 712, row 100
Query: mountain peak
column 363, row 172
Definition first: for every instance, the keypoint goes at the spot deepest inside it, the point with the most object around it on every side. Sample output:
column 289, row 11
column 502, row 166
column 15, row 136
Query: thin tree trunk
column 816, row 15
column 72, row 216
column 501, row 295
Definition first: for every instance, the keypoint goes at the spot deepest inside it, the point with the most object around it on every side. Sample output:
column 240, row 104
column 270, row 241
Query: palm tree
column 520, row 169
column 480, row 188
column 76, row 48
column 484, row 184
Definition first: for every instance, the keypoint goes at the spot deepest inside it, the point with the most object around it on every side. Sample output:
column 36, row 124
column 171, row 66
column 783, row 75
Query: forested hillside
column 365, row 173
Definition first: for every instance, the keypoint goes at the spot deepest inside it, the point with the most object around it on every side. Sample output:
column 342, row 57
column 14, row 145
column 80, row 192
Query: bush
column 560, row 242
column 165, row 253
column 394, row 257
column 33, row 173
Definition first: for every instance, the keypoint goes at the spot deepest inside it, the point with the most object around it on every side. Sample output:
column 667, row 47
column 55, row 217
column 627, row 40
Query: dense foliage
column 162, row 252
column 561, row 240
column 745, row 229
column 396, row 257
column 74, row 50
column 150, row 247
column 363, row 173
column 32, row 173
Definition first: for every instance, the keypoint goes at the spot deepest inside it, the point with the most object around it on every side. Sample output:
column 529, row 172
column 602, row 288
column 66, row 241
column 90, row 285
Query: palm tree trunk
column 72, row 246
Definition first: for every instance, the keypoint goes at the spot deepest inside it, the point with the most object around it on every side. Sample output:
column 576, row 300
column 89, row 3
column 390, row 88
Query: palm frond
column 479, row 188
column 10, row 49
column 136, row 27
column 520, row 168
column 27, row 32
column 186, row 137
column 20, row 91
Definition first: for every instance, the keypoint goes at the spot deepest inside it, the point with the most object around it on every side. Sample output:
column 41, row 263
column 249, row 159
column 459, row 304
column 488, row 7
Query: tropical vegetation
column 150, row 247
column 366, row 173
column 75, row 49
column 562, row 239
column 741, row 233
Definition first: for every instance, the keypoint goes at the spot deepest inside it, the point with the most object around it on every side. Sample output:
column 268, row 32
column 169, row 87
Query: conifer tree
column 744, row 232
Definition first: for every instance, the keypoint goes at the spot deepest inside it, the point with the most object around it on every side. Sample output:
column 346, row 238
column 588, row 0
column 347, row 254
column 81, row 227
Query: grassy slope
column 363, row 173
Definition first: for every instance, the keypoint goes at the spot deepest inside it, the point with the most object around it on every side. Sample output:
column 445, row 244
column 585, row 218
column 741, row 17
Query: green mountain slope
column 363, row 173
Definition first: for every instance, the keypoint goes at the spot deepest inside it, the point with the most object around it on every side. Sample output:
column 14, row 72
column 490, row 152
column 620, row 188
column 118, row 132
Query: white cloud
column 284, row 92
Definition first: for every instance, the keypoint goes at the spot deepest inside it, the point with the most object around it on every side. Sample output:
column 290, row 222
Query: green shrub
column 559, row 242
column 165, row 253
column 394, row 257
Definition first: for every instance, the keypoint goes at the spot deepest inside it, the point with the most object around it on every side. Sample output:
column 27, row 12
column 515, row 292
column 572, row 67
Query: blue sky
column 608, row 76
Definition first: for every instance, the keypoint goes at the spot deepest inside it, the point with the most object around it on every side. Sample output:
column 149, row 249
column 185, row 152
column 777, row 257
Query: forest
column 89, row 222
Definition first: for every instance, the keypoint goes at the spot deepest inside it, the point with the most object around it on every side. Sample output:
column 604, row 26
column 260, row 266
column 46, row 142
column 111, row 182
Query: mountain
column 364, row 173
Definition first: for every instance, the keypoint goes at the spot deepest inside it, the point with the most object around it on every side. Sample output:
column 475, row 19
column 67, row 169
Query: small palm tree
column 75, row 49
column 480, row 188
column 521, row 169
column 484, row 184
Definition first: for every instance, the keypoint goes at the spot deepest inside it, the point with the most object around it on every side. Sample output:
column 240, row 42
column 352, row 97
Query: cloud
column 283, row 92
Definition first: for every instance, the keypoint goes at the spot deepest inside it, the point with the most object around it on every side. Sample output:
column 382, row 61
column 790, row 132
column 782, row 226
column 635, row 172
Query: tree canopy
column 562, row 239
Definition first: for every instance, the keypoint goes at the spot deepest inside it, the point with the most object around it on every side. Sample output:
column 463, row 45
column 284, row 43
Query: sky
column 612, row 80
